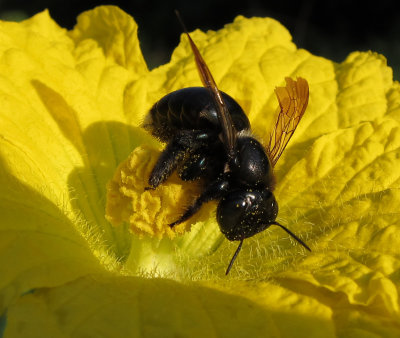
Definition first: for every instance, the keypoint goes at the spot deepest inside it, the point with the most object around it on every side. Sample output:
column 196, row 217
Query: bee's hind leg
column 166, row 164
column 181, row 146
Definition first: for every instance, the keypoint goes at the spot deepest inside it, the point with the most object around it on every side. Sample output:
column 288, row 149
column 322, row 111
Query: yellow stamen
column 148, row 212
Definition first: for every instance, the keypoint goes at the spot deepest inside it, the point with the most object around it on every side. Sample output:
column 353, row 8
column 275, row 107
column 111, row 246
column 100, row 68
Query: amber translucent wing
column 293, row 100
column 228, row 129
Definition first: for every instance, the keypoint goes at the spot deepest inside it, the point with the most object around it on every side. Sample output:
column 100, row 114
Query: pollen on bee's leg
column 147, row 211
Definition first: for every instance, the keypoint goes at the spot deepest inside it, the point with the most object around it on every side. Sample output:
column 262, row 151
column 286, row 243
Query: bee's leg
column 175, row 152
column 215, row 190
column 203, row 163
column 193, row 168
column 166, row 164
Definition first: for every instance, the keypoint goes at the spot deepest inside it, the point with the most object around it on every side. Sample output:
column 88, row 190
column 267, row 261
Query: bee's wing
column 293, row 100
column 228, row 129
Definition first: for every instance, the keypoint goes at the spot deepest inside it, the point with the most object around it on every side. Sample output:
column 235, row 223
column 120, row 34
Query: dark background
column 327, row 28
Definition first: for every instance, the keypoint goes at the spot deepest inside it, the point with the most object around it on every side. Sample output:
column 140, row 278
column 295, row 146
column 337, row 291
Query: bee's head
column 244, row 213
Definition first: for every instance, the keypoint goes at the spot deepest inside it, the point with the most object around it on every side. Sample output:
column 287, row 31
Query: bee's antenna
column 234, row 256
column 293, row 235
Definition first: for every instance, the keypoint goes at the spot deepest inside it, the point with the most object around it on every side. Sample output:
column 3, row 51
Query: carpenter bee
column 208, row 137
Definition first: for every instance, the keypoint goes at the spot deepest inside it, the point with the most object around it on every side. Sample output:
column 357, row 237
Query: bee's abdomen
column 190, row 109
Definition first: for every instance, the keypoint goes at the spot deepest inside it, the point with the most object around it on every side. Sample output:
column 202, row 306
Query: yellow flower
column 71, row 107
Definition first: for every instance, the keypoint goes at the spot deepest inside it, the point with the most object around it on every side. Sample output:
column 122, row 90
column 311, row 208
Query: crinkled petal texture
column 70, row 113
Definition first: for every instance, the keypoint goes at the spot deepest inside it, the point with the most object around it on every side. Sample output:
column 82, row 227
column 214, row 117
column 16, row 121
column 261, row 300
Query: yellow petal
column 153, row 308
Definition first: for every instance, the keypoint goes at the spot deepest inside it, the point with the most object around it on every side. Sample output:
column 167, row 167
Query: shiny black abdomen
column 191, row 108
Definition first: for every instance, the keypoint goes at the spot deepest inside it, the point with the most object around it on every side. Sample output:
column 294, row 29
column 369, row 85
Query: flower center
column 148, row 212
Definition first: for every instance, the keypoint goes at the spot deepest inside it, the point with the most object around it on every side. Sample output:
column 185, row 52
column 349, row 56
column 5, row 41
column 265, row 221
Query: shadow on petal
column 40, row 246
column 101, row 146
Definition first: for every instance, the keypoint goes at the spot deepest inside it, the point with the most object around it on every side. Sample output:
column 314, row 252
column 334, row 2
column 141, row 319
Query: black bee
column 208, row 136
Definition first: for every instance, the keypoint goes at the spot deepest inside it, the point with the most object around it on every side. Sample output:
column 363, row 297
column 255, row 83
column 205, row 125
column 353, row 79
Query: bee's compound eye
column 244, row 213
